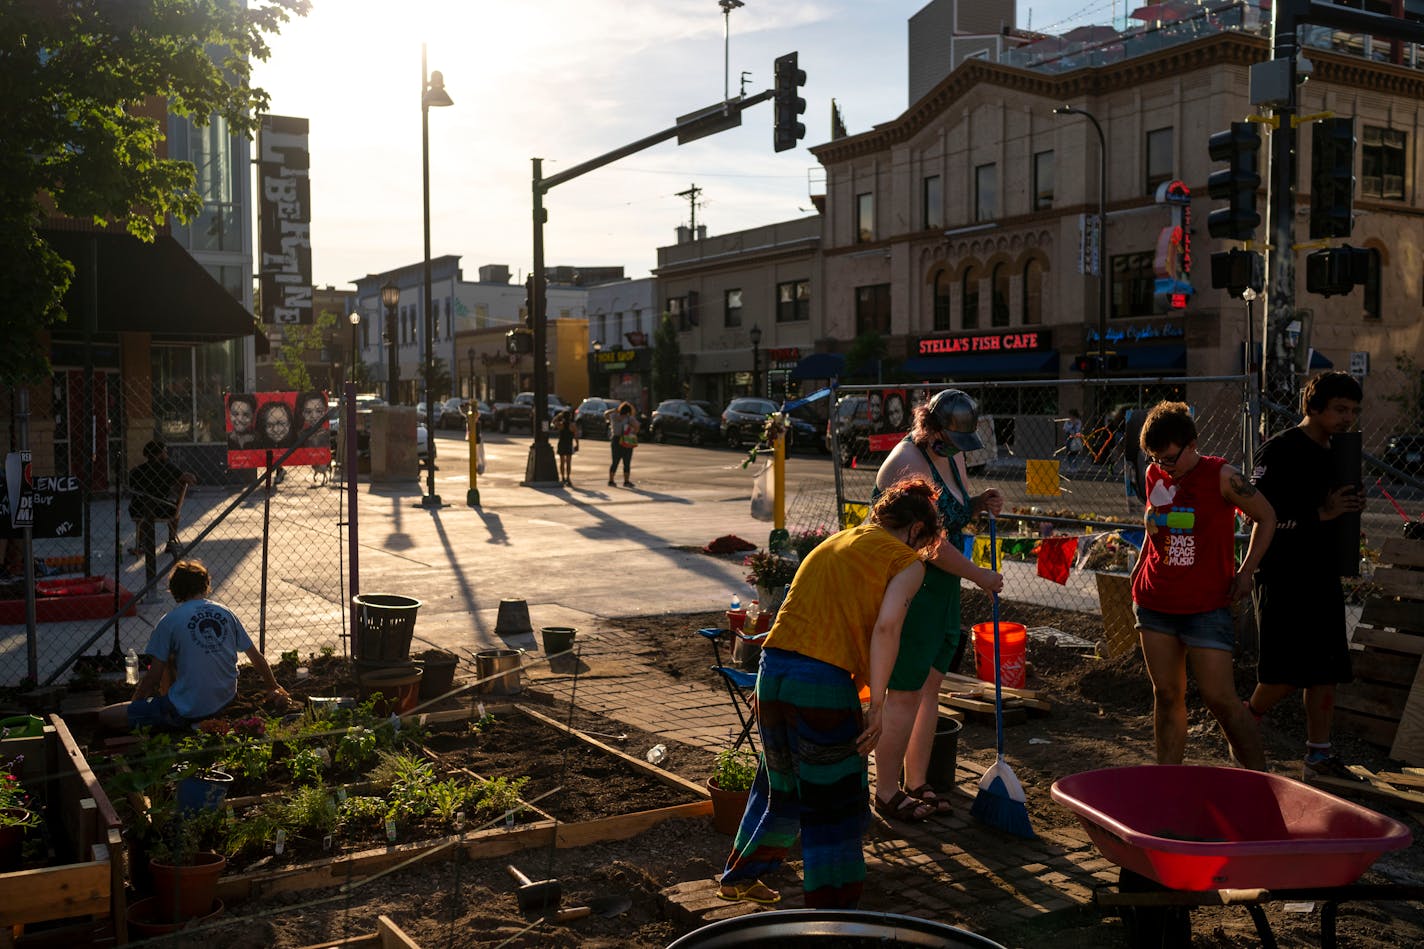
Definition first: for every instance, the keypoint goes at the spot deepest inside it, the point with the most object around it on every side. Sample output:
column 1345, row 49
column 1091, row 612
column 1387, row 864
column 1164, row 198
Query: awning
column 153, row 288
column 820, row 366
column 988, row 364
column 1319, row 360
column 1157, row 357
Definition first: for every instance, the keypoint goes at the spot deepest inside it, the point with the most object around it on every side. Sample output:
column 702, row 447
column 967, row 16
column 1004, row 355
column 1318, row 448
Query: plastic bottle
column 131, row 667
column 736, row 602
column 753, row 611
column 657, row 754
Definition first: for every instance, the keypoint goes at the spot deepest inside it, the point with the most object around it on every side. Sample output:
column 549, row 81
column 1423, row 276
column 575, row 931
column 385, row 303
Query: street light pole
column 432, row 93
column 355, row 319
column 470, row 353
column 1103, row 264
column 727, row 7
column 390, row 298
column 755, row 335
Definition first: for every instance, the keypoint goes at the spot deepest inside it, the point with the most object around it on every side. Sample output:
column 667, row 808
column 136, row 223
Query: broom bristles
column 1001, row 802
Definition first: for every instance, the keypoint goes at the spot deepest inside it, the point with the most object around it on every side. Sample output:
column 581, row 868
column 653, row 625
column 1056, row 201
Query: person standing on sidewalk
column 830, row 650
column 1186, row 579
column 623, row 438
column 1300, row 606
column 568, row 444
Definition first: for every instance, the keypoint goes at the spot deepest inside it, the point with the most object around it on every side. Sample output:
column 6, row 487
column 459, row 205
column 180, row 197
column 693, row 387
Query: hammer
column 536, row 899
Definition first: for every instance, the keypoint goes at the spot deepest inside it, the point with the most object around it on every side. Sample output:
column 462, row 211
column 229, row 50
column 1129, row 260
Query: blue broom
column 1000, row 802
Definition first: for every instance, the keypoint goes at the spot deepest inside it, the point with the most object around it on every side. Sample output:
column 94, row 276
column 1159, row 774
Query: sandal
column 927, row 795
column 903, row 807
column 750, row 891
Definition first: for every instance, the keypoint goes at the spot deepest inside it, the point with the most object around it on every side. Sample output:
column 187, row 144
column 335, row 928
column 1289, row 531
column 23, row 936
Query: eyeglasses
column 1166, row 462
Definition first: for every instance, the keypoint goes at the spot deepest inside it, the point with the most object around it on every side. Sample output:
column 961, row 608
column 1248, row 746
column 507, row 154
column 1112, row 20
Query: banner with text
column 284, row 230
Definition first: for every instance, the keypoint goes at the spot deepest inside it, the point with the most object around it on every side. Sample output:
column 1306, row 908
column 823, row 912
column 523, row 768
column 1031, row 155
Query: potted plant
column 733, row 772
column 769, row 572
column 16, row 816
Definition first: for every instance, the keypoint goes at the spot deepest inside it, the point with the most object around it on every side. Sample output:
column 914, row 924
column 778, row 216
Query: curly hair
column 911, row 500
column 1168, row 423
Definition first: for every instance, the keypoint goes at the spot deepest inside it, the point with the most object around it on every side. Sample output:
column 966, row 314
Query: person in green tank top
column 931, row 640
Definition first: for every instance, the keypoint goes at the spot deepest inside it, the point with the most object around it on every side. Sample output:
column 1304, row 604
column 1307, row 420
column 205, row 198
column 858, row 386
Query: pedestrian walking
column 932, row 640
column 1300, row 606
column 834, row 639
column 568, row 444
column 1186, row 579
column 623, row 431
column 1073, row 439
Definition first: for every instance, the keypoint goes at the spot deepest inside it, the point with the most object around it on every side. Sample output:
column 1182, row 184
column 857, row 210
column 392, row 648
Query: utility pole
column 691, row 195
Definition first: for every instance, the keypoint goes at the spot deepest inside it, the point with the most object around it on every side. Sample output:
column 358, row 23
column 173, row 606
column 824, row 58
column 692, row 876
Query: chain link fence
column 275, row 551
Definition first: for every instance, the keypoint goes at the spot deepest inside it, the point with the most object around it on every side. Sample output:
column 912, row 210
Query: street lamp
column 727, row 7
column 354, row 317
column 1103, row 263
column 755, row 335
column 390, row 298
column 432, row 93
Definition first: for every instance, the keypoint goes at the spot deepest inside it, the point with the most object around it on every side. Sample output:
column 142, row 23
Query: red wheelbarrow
column 1194, row 836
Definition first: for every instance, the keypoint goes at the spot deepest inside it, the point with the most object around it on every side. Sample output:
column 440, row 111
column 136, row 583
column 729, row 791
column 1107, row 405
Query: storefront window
column 1133, row 281
column 188, row 384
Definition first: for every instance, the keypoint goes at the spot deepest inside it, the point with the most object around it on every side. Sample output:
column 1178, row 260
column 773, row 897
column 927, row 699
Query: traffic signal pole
column 540, row 469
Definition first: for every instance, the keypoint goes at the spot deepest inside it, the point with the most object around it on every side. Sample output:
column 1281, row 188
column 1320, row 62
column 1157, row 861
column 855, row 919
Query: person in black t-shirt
column 151, row 486
column 1300, row 606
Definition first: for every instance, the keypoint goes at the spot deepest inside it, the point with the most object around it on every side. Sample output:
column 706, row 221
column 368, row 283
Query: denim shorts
column 153, row 712
column 1213, row 629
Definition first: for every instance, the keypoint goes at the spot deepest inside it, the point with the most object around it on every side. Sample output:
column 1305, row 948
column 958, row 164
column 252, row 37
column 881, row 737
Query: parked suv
column 520, row 412
column 678, row 418
column 592, row 417
column 1405, row 452
column 744, row 419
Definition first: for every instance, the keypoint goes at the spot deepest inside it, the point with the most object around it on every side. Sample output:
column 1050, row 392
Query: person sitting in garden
column 152, row 484
column 197, row 642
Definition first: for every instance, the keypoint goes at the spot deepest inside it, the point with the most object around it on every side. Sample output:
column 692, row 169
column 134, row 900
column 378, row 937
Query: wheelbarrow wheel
column 1153, row 927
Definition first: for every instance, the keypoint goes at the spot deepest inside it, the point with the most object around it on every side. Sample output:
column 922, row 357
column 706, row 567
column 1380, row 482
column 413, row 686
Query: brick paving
column 959, row 863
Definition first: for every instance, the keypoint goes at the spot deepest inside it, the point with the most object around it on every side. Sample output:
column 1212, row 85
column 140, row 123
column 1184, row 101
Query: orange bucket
column 1012, row 648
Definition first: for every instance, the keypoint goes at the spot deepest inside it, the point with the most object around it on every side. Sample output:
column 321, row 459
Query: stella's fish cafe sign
column 1019, row 342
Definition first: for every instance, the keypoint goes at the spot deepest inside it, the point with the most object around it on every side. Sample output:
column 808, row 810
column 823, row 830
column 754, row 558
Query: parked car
column 851, row 423
column 422, row 444
column 486, row 414
column 744, row 419
column 591, row 417
column 451, row 413
column 1405, row 452
column 683, row 420
column 520, row 412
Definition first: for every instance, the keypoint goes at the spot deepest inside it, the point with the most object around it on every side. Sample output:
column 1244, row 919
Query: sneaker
column 629, row 484
column 611, row 483
column 1327, row 766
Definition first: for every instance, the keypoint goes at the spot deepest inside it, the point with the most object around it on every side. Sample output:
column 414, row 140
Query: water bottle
column 736, row 602
column 131, row 667
column 753, row 611
column 657, row 754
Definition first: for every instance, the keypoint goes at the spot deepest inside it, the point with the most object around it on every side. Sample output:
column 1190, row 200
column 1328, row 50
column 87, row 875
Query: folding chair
column 741, row 686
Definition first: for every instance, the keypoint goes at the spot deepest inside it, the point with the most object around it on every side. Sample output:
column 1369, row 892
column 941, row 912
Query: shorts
column 1302, row 624
column 1213, row 629
column 155, row 712
column 930, row 635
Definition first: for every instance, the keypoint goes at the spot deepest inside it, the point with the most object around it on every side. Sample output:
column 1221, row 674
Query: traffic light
column 1332, row 178
column 1237, row 271
column 1092, row 361
column 1336, row 270
column 529, row 303
column 518, row 342
column 789, row 104
column 1237, row 183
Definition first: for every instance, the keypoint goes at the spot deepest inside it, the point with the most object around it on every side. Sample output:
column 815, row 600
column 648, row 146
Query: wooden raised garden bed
column 84, row 882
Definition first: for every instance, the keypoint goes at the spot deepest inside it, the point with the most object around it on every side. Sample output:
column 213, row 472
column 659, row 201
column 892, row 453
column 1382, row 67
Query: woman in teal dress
column 931, row 640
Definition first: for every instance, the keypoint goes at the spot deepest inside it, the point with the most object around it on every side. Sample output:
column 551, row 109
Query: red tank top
column 1190, row 557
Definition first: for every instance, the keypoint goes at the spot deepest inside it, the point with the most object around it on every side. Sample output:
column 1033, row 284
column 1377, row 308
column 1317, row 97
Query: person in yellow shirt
column 831, row 648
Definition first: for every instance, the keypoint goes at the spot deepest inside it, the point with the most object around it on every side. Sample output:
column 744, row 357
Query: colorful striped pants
column 811, row 780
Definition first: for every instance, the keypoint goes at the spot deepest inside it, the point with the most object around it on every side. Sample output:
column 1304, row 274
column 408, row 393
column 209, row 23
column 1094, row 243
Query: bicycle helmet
column 957, row 416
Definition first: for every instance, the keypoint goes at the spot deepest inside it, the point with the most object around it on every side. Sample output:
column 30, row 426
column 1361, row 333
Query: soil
column 1101, row 717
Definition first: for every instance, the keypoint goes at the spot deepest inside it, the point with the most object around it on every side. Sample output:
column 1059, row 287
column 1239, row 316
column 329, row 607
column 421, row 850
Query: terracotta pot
column 145, row 920
column 186, row 891
column 727, row 808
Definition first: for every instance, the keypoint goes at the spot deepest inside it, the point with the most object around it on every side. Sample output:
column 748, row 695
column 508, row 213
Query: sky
column 567, row 81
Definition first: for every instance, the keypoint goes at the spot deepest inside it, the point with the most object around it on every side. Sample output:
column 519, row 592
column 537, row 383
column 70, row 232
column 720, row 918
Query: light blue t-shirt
column 205, row 638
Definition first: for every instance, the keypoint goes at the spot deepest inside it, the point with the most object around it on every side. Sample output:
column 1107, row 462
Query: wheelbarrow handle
column 519, row 878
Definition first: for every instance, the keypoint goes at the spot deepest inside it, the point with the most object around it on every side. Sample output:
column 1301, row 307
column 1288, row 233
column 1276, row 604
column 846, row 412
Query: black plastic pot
column 841, row 928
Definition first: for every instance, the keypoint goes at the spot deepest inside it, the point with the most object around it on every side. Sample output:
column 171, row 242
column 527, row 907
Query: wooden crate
column 1385, row 650
column 86, row 885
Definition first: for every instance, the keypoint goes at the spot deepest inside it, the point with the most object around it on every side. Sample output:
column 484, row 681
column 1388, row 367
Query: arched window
column 969, row 299
column 941, row 300
column 999, row 308
column 1032, row 292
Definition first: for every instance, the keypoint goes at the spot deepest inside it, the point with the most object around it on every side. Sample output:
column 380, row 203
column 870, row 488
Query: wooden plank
column 36, row 896
column 1411, row 643
column 497, row 842
column 1395, row 614
column 1014, row 714
column 92, row 788
column 391, row 936
column 1377, row 731
column 1384, row 701
column 1408, row 743
column 1396, row 581
column 637, row 764
column 985, row 692
column 368, row 941
column 1368, row 790
column 956, row 678
column 946, row 712
column 1404, row 780
column 119, row 902
column 1402, row 552
column 1381, row 665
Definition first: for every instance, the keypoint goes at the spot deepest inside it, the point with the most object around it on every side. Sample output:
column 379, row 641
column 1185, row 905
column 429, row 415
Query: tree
column 290, row 358
column 82, row 141
column 667, row 361
column 866, row 354
column 441, row 376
